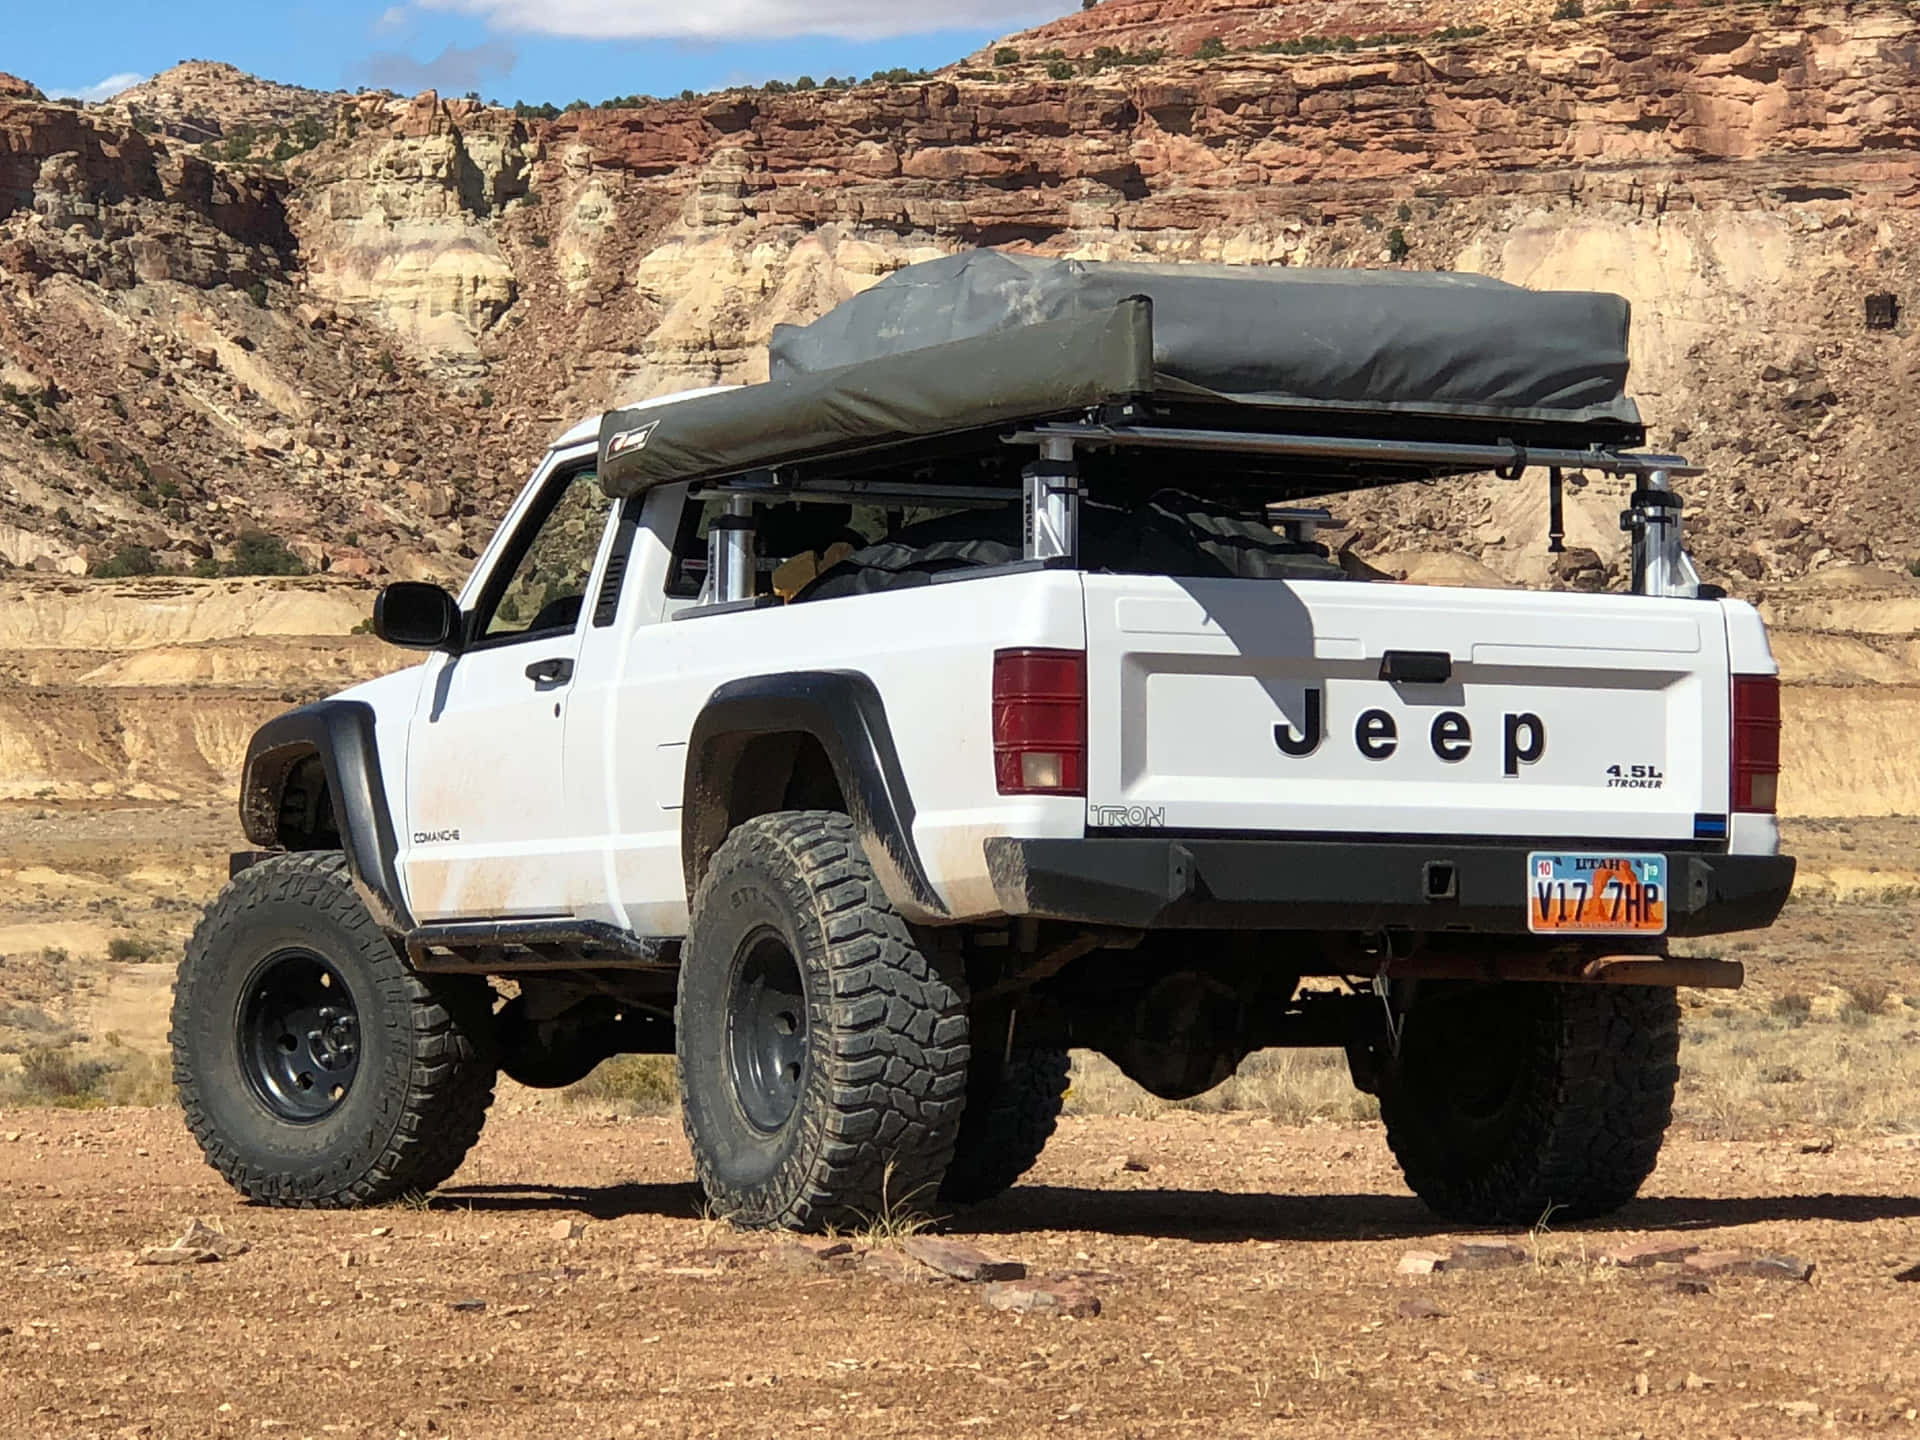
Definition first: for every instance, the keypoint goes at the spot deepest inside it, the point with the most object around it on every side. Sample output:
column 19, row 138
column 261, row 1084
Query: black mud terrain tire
column 315, row 1068
column 1007, row 1124
column 1509, row 1102
column 823, row 1052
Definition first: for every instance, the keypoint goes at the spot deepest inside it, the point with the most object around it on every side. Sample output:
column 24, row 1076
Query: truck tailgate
column 1329, row 707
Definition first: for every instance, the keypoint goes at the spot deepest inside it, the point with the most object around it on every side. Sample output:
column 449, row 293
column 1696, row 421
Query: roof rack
column 1509, row 460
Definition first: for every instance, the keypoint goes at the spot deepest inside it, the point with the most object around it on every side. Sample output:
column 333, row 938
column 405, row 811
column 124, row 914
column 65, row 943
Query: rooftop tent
column 1266, row 335
column 979, row 340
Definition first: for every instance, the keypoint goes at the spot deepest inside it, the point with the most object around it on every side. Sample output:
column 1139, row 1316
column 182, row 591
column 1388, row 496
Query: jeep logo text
column 1376, row 735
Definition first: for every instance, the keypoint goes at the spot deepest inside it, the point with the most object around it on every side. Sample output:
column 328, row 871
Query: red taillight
column 1756, row 743
column 1040, row 722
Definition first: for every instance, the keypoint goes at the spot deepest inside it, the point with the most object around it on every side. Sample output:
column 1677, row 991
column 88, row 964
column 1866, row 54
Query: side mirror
column 417, row 616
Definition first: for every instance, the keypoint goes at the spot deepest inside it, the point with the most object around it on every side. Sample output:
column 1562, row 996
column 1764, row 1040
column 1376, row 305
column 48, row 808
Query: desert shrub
column 1006, row 55
column 1794, row 1007
column 1059, row 70
column 260, row 552
column 136, row 1078
column 1869, row 997
column 134, row 949
column 56, row 1076
column 1569, row 10
column 257, row 293
column 1211, row 48
column 1106, row 55
column 640, row 1084
column 27, row 1027
column 127, row 560
column 1397, row 245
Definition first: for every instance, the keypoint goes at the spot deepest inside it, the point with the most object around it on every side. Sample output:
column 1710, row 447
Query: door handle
column 546, row 674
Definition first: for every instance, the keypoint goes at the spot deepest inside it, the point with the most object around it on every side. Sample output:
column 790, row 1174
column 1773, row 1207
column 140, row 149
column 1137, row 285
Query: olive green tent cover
column 983, row 339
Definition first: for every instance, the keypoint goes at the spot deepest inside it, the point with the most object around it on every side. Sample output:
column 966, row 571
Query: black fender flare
column 843, row 711
column 341, row 732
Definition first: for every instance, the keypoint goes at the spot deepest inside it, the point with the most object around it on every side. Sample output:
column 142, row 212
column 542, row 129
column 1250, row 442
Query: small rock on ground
column 1486, row 1255
column 1053, row 1297
column 1422, row 1262
column 893, row 1266
column 1747, row 1262
column 960, row 1260
column 200, row 1244
column 1643, row 1254
column 1419, row 1308
column 805, row 1253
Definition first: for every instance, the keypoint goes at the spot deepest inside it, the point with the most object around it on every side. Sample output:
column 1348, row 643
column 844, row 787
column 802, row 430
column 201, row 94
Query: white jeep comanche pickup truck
column 870, row 792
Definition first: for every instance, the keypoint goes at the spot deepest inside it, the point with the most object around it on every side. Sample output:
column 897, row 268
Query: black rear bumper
column 1254, row 884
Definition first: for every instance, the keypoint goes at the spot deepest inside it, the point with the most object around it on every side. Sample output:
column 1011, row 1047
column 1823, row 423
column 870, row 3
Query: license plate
column 1596, row 894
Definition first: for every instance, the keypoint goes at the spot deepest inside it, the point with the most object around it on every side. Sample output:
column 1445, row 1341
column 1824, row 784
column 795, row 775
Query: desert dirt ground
column 1248, row 1275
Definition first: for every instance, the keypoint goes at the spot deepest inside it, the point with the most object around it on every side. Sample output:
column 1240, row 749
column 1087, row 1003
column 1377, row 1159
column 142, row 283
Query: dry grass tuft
column 1793, row 1007
column 1843, row 1068
column 898, row 1217
column 1293, row 1086
column 631, row 1084
column 1868, row 997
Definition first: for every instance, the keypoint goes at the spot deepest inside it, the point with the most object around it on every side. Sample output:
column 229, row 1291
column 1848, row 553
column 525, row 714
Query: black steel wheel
column 823, row 1050
column 767, row 1030
column 314, row 1066
column 299, row 1036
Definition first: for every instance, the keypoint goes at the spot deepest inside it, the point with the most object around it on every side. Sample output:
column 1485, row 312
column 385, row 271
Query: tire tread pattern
column 896, row 1076
column 1603, row 1062
column 1003, row 1133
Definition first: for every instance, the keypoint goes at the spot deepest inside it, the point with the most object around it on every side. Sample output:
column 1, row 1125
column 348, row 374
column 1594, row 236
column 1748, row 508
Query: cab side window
column 547, row 579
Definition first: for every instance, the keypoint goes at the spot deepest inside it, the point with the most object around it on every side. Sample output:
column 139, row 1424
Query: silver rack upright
column 1661, row 565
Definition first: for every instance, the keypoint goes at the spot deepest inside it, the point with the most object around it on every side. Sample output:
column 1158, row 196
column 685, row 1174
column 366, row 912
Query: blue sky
column 533, row 50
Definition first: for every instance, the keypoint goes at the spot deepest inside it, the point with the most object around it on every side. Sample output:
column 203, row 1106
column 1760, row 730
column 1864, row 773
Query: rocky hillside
column 361, row 345
column 202, row 101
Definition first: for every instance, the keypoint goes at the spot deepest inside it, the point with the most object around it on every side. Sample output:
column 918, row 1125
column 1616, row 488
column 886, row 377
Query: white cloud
column 94, row 94
column 747, row 19
column 394, row 19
